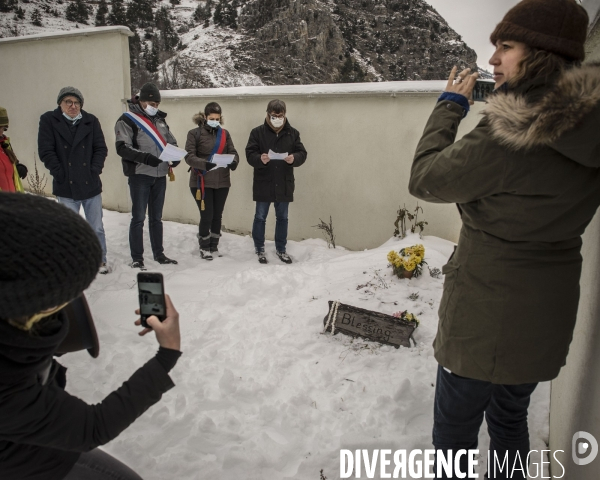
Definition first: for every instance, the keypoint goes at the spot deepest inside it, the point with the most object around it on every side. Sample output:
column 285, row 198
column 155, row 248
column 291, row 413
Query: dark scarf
column 23, row 354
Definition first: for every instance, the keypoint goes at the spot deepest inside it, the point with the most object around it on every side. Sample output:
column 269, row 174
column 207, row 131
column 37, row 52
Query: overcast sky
column 475, row 20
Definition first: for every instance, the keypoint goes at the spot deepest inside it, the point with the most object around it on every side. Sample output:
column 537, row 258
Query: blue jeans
column 281, row 225
column 460, row 404
column 92, row 207
column 146, row 192
column 99, row 465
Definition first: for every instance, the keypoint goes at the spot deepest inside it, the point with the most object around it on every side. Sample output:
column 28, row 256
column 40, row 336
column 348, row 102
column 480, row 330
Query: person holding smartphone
column 527, row 184
column 48, row 256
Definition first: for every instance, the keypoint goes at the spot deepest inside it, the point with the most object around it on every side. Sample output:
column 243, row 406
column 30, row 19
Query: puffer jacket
column 527, row 181
column 199, row 145
column 135, row 147
column 9, row 175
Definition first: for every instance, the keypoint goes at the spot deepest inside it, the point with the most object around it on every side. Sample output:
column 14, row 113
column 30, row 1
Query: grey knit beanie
column 69, row 91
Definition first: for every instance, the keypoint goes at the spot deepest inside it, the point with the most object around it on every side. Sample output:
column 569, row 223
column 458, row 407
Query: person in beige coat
column 527, row 183
column 209, row 184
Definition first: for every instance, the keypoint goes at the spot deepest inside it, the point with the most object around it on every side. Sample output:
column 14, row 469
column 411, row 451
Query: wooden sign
column 379, row 327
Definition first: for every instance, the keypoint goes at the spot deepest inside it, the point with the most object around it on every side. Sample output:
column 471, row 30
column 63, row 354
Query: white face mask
column 73, row 119
column 150, row 110
column 277, row 122
column 213, row 123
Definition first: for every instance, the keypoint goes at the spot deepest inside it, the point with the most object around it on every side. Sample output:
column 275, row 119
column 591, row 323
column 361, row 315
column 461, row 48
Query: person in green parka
column 527, row 184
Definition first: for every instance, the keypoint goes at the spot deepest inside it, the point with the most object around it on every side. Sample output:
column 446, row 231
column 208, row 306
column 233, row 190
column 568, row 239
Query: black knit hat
column 149, row 93
column 69, row 92
column 48, row 254
column 557, row 26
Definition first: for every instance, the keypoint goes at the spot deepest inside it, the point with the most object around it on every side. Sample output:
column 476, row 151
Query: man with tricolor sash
column 142, row 134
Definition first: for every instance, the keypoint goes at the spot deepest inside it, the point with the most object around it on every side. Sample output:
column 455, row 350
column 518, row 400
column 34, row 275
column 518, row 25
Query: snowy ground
column 261, row 393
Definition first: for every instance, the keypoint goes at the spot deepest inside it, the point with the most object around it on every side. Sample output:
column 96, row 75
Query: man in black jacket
column 274, row 175
column 71, row 145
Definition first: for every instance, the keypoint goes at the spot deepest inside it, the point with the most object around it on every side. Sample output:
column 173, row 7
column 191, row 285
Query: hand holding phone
column 167, row 331
column 157, row 311
column 463, row 83
column 151, row 292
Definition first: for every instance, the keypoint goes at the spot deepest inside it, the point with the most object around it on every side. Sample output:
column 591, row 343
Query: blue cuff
column 456, row 98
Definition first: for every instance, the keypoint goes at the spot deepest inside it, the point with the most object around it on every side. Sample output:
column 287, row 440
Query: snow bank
column 369, row 88
column 261, row 393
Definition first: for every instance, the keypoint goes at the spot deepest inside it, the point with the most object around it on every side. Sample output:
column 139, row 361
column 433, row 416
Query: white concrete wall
column 35, row 68
column 575, row 402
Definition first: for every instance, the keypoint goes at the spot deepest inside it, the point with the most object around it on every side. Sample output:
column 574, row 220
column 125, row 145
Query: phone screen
column 482, row 89
column 151, row 295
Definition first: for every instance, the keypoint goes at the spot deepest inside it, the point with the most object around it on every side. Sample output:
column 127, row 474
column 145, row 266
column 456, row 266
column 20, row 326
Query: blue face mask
column 213, row 123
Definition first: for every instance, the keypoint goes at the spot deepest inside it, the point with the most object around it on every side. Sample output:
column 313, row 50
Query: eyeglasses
column 70, row 103
column 277, row 115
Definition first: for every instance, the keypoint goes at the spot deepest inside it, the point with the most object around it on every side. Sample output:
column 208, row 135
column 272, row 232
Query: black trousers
column 99, row 465
column 146, row 193
column 460, row 405
column 211, row 217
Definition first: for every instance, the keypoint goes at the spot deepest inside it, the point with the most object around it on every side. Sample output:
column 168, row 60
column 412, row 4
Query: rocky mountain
column 215, row 43
column 316, row 41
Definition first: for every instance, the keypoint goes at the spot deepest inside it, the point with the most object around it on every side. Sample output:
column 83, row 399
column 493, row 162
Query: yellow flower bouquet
column 408, row 262
column 409, row 317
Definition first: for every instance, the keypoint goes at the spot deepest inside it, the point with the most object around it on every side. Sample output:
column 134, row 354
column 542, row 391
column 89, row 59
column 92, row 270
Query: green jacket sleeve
column 445, row 171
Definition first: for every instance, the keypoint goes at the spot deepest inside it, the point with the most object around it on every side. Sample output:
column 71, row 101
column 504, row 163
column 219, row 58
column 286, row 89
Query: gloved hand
column 232, row 166
column 152, row 161
column 210, row 165
column 22, row 170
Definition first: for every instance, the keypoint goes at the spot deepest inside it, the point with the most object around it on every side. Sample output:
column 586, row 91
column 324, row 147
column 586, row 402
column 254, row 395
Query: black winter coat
column 274, row 182
column 75, row 161
column 43, row 429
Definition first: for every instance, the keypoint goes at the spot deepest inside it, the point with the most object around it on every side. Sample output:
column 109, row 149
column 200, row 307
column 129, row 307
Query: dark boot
column 214, row 244
column 204, row 242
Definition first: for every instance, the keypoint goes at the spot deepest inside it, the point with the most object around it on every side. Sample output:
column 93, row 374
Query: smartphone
column 483, row 88
column 151, row 291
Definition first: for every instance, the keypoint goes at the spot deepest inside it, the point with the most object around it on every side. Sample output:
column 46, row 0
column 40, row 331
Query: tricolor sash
column 218, row 149
column 148, row 128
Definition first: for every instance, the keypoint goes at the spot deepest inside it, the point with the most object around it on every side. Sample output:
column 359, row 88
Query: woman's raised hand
column 463, row 84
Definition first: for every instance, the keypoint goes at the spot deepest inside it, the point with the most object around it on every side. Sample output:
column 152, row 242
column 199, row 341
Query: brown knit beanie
column 557, row 26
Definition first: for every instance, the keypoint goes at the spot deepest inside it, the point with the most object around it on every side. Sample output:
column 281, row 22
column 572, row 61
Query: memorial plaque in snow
column 379, row 327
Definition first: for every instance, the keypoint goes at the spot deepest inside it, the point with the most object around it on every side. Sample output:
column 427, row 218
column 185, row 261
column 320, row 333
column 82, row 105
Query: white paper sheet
column 277, row 156
column 171, row 153
column 222, row 160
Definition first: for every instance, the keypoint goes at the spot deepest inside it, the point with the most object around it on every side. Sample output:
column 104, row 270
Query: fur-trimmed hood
column 566, row 117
